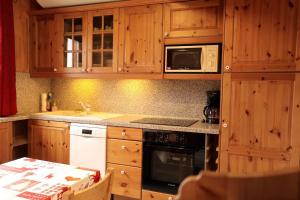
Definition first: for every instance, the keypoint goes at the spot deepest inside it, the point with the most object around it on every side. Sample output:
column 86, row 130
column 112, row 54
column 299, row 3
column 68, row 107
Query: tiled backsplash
column 28, row 92
column 154, row 97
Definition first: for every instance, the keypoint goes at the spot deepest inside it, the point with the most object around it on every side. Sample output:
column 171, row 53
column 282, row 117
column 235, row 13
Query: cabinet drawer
column 124, row 152
column 125, row 133
column 150, row 195
column 127, row 181
column 50, row 123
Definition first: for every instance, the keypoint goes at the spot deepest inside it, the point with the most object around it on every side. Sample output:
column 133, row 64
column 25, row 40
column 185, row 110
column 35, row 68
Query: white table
column 28, row 178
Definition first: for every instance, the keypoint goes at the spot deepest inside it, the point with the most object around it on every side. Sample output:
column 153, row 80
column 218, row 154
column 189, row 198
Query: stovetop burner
column 166, row 121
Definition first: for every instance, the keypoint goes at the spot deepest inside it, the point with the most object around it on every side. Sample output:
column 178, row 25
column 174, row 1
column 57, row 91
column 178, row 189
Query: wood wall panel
column 260, row 35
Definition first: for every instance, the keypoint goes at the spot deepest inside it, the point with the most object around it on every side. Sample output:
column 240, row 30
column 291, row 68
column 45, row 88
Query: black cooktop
column 166, row 121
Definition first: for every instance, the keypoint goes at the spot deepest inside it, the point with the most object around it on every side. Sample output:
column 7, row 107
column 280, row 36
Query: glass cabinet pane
column 108, row 41
column 78, row 25
column 68, row 59
column 68, row 25
column 77, row 59
column 96, row 59
column 68, row 43
column 97, row 23
column 97, row 41
column 107, row 59
column 108, row 22
column 77, row 43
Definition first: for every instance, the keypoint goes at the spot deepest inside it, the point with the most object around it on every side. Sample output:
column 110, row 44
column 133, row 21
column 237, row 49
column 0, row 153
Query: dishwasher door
column 88, row 146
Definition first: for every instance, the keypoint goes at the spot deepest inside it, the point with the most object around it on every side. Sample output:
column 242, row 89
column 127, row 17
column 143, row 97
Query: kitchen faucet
column 85, row 106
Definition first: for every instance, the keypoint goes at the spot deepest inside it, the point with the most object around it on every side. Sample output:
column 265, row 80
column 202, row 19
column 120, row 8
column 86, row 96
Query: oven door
column 165, row 167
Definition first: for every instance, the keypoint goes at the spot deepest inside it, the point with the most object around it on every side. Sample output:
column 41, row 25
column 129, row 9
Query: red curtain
column 8, row 105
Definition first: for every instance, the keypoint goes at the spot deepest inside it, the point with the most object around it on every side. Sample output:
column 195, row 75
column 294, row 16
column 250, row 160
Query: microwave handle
column 201, row 58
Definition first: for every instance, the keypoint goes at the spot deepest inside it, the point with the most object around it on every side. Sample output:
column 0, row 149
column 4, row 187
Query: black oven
column 169, row 157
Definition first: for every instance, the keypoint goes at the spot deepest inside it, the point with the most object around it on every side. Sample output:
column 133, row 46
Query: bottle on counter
column 49, row 101
column 54, row 106
column 43, row 102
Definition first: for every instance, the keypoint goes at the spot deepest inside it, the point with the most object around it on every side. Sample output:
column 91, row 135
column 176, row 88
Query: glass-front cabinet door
column 74, row 43
column 102, row 41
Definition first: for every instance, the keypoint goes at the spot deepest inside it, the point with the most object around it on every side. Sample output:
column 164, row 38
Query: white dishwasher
column 88, row 146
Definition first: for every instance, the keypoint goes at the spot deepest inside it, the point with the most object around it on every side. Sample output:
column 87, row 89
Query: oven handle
column 168, row 147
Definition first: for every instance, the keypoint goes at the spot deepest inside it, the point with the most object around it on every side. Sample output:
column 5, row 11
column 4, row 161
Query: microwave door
column 184, row 59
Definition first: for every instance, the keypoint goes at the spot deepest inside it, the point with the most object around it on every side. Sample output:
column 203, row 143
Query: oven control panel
column 171, row 138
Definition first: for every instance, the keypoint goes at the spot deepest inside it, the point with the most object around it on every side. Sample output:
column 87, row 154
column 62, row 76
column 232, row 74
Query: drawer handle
column 123, row 172
column 123, row 147
column 123, row 133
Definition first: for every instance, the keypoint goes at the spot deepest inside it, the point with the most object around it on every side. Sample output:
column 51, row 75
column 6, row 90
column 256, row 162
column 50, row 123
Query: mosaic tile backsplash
column 28, row 92
column 178, row 98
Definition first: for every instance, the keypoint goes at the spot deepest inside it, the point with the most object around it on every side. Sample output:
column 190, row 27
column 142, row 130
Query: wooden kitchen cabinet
column 140, row 39
column 6, row 142
column 102, row 41
column 43, row 38
column 124, row 154
column 193, row 19
column 127, row 180
column 151, row 195
column 260, row 122
column 72, row 40
column 49, row 140
column 21, row 28
column 260, row 35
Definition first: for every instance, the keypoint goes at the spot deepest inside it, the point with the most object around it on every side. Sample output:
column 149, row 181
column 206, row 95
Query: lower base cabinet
column 49, row 140
column 127, row 180
column 5, row 142
column 150, row 195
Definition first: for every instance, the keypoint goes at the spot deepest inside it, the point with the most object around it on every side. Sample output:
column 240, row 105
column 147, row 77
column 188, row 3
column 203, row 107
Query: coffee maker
column 212, row 110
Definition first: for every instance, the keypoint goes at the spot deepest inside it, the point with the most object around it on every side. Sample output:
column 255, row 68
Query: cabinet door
column 193, row 19
column 21, row 26
column 5, row 142
column 103, row 41
column 260, row 131
column 260, row 35
column 140, row 45
column 42, row 43
column 48, row 142
column 72, row 38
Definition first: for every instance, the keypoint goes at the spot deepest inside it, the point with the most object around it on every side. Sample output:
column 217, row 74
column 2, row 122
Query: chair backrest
column 99, row 191
column 284, row 185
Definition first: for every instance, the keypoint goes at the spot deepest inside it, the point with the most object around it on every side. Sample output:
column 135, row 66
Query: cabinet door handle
column 227, row 67
column 170, row 198
column 55, row 69
column 83, row 70
column 119, row 69
column 167, row 34
column 123, row 133
column 225, row 125
column 123, row 147
column 123, row 172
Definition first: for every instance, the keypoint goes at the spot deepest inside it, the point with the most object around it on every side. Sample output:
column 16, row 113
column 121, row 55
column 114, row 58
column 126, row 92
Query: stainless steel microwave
column 193, row 58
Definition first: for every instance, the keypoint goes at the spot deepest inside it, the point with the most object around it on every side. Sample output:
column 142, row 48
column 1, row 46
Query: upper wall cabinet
column 43, row 44
column 102, row 41
column 193, row 19
column 140, row 39
column 260, row 35
column 72, row 38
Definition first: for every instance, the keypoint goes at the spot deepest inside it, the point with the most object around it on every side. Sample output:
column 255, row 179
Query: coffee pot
column 212, row 110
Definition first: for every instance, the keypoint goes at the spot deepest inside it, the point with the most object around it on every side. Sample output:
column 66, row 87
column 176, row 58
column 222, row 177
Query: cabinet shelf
column 19, row 141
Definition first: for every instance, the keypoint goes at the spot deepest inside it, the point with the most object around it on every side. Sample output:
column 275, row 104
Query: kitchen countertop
column 112, row 119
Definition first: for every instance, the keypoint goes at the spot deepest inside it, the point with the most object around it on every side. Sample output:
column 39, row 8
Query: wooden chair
column 99, row 191
column 283, row 185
